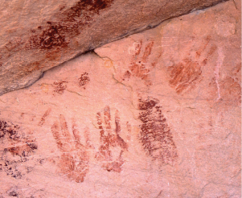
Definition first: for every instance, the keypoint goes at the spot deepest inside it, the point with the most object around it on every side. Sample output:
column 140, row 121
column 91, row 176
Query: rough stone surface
column 38, row 35
column 156, row 114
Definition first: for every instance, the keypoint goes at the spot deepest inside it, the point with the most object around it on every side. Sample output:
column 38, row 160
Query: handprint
column 139, row 65
column 111, row 142
column 155, row 134
column 74, row 160
column 185, row 74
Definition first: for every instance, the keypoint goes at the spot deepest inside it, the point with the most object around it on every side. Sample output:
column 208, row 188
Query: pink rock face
column 156, row 114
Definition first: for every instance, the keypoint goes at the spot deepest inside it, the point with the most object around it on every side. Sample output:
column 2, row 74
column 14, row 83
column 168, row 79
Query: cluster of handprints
column 75, row 157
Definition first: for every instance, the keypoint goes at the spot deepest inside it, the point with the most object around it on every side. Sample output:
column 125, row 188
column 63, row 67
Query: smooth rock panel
column 157, row 114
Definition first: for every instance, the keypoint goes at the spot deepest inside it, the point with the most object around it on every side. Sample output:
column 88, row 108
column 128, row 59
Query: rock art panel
column 49, row 33
column 75, row 156
column 156, row 114
column 195, row 89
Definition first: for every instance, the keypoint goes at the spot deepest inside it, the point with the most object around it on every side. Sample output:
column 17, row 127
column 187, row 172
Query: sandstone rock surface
column 157, row 114
column 38, row 35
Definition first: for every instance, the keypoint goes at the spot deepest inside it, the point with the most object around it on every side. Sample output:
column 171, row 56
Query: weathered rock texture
column 156, row 114
column 38, row 35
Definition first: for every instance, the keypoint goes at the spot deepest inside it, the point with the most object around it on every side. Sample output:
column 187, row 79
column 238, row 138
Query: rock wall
column 156, row 114
column 38, row 35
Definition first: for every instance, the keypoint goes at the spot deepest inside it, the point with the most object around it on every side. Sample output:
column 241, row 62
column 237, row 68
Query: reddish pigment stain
column 83, row 80
column 74, row 160
column 46, row 114
column 155, row 134
column 20, row 146
column 109, row 139
column 60, row 86
column 186, row 74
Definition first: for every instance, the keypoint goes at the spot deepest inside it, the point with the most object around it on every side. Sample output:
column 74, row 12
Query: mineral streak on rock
column 155, row 134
